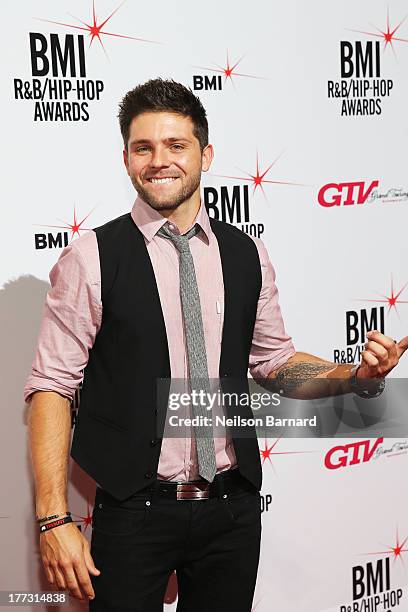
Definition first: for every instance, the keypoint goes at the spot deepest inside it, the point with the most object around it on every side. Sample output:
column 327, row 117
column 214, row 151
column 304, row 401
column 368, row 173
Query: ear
column 126, row 159
column 207, row 157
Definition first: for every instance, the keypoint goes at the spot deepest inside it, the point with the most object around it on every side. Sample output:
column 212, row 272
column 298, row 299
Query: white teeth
column 162, row 180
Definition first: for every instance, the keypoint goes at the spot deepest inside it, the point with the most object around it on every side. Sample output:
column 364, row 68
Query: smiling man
column 162, row 292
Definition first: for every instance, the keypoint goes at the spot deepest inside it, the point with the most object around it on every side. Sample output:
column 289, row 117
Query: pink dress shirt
column 73, row 313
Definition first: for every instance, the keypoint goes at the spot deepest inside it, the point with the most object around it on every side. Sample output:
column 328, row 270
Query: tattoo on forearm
column 289, row 377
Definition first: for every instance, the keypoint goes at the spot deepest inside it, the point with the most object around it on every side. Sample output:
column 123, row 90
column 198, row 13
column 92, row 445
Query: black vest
column 116, row 439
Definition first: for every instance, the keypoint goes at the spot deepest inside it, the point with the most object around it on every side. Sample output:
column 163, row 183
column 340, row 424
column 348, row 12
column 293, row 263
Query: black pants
column 212, row 544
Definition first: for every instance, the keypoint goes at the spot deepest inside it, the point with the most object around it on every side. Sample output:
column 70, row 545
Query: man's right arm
column 71, row 320
column 64, row 550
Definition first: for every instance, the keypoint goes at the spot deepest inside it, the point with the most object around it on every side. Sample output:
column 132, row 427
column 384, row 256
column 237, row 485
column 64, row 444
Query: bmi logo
column 231, row 203
column 362, row 87
column 221, row 73
column 359, row 322
column 59, row 86
column 372, row 585
column 53, row 240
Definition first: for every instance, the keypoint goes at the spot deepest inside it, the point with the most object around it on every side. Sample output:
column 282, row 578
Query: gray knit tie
column 197, row 357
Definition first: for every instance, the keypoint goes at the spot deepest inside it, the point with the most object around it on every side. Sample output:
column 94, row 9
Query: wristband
column 364, row 392
column 54, row 516
column 57, row 523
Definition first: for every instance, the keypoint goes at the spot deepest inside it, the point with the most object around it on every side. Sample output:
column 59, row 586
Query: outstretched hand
column 381, row 355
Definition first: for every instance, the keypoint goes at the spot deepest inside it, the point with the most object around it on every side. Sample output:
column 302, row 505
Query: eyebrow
column 166, row 140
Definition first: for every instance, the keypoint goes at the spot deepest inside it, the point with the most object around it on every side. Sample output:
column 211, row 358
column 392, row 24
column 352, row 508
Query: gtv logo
column 351, row 454
column 346, row 194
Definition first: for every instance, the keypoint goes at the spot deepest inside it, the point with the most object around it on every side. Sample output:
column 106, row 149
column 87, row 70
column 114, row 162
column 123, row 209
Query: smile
column 160, row 181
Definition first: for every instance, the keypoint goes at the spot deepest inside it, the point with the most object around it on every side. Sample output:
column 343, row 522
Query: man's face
column 164, row 159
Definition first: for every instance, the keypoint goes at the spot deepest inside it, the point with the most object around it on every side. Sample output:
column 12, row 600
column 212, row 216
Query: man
column 163, row 292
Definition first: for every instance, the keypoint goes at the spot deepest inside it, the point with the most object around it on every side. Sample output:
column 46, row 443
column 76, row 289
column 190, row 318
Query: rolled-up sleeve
column 271, row 345
column 71, row 319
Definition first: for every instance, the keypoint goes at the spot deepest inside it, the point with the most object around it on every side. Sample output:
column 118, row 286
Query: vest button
column 148, row 475
column 153, row 442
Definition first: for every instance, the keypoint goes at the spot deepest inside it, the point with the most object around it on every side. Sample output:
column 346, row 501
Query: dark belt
column 224, row 483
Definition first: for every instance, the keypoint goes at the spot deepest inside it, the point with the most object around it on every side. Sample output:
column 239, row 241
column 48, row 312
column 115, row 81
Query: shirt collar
column 149, row 221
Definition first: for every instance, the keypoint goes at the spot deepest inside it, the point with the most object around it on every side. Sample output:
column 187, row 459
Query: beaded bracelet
column 53, row 516
column 61, row 521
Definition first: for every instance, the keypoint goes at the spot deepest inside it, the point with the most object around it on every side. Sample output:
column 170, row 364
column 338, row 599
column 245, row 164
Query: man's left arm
column 274, row 362
column 298, row 376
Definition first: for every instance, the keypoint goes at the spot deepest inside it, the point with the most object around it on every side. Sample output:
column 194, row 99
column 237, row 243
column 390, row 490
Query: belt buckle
column 187, row 491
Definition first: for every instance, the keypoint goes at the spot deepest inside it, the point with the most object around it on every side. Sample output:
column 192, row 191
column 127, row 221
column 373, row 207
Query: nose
column 159, row 158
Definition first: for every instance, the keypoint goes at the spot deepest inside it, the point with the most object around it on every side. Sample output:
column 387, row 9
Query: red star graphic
column 85, row 520
column 268, row 451
column 388, row 35
column 391, row 300
column 75, row 227
column 258, row 179
column 395, row 550
column 229, row 71
column 95, row 29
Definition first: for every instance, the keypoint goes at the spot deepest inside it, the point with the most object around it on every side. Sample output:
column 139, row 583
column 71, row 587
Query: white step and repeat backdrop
column 307, row 111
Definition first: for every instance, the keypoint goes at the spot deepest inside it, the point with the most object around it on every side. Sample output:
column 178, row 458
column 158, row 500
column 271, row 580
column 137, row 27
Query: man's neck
column 183, row 216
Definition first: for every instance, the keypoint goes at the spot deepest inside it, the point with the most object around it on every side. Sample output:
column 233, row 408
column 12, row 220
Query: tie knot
column 180, row 241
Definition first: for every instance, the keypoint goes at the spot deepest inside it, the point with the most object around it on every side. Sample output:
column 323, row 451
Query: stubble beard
column 184, row 193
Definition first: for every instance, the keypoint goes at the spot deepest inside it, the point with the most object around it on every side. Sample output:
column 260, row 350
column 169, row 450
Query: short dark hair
column 163, row 95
